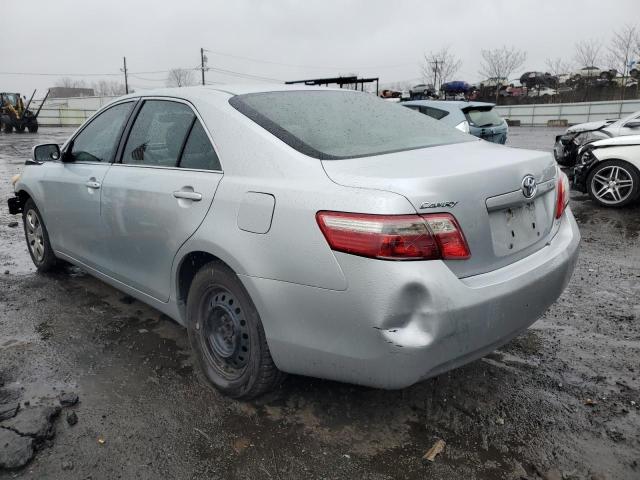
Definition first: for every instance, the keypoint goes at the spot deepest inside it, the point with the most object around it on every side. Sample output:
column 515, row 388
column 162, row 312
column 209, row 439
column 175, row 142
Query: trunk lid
column 485, row 180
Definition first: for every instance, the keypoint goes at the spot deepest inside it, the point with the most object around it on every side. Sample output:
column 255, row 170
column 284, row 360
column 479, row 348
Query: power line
column 244, row 75
column 270, row 62
column 148, row 79
column 62, row 74
column 47, row 74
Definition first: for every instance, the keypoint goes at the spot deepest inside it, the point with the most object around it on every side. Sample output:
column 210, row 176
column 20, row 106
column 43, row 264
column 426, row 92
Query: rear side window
column 434, row 112
column 430, row 111
column 97, row 142
column 485, row 117
column 331, row 125
column 198, row 152
column 158, row 134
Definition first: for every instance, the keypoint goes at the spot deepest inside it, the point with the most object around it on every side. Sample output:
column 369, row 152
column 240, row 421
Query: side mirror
column 633, row 124
column 46, row 152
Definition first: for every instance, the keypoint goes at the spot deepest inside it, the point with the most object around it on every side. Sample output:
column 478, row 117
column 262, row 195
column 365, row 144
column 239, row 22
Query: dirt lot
column 561, row 401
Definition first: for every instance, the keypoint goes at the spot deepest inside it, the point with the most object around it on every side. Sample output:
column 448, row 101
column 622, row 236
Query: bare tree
column 68, row 82
column 500, row 63
column 440, row 67
column 622, row 49
column 588, row 52
column 107, row 88
column 556, row 67
column 180, row 77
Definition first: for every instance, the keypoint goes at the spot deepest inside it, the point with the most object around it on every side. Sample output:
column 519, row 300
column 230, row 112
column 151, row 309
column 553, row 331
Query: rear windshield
column 483, row 117
column 332, row 125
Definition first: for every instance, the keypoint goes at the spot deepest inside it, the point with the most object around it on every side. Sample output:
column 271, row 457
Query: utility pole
column 437, row 63
column 126, row 81
column 435, row 74
column 203, row 61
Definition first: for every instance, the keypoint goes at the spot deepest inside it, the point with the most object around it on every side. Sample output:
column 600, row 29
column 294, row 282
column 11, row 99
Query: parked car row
column 533, row 84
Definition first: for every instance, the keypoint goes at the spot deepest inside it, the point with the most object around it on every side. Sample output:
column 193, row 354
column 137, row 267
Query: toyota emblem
column 529, row 186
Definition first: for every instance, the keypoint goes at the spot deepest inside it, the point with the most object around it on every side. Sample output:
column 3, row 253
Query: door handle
column 93, row 184
column 194, row 196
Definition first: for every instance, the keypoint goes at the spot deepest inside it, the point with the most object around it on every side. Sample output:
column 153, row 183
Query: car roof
column 449, row 105
column 231, row 89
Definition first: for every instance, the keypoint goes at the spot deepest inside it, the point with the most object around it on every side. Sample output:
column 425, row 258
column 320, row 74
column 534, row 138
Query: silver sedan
column 311, row 231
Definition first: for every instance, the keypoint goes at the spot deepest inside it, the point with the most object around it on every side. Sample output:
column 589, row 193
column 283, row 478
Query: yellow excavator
column 14, row 114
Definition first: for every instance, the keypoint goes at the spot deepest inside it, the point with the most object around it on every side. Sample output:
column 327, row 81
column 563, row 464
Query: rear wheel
column 613, row 183
column 32, row 128
column 227, row 336
column 8, row 128
column 38, row 238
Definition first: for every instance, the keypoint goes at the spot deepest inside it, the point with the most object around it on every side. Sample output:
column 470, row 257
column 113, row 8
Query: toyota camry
column 305, row 230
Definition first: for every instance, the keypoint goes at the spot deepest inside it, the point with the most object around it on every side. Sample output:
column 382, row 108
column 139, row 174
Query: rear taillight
column 463, row 126
column 395, row 237
column 562, row 193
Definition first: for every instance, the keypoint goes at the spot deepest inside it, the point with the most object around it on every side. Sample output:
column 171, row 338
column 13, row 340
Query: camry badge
column 438, row 204
column 529, row 186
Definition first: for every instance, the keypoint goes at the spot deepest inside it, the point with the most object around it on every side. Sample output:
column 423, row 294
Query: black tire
column 597, row 181
column 32, row 128
column 8, row 128
column 227, row 336
column 37, row 238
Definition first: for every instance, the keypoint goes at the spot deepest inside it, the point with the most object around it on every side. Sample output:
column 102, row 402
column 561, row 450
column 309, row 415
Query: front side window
column 331, row 125
column 97, row 142
column 198, row 152
column 158, row 134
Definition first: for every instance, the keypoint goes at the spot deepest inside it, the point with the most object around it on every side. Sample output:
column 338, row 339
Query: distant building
column 70, row 92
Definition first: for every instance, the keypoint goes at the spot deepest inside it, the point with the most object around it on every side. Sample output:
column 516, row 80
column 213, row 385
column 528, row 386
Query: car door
column 157, row 194
column 72, row 187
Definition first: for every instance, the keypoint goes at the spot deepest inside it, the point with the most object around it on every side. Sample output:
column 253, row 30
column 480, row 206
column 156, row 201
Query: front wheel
column 32, row 128
column 613, row 183
column 227, row 336
column 38, row 238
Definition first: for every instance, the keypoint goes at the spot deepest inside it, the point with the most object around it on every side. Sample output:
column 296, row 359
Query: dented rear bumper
column 400, row 322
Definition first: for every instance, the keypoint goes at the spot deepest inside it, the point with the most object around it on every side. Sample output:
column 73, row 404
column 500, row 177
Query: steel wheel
column 225, row 333
column 227, row 336
column 35, row 236
column 612, row 184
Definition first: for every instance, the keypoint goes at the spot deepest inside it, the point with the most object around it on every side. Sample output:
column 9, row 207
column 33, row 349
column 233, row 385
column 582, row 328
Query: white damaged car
column 609, row 170
column 567, row 145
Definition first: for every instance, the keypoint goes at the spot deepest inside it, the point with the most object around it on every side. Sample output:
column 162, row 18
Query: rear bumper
column 400, row 322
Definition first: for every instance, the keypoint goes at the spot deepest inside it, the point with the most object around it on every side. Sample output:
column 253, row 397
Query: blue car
column 477, row 118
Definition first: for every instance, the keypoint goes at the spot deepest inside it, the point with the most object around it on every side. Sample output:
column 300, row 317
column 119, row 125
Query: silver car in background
column 312, row 231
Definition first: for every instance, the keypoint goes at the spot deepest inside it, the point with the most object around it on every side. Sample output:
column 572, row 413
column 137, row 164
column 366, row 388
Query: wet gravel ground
column 560, row 401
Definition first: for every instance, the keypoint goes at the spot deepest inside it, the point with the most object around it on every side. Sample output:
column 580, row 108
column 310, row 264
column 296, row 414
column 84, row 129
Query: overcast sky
column 319, row 38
